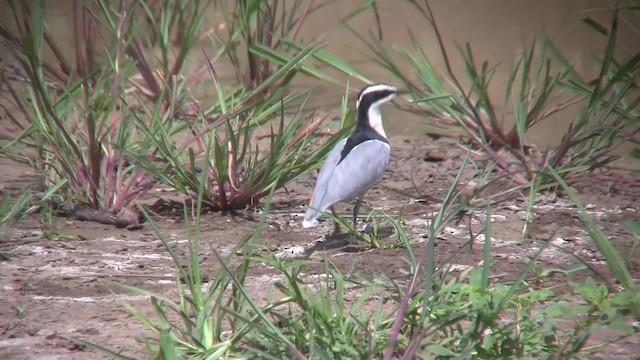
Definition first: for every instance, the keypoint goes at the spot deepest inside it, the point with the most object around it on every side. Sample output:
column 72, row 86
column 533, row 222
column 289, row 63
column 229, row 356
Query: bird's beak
column 402, row 91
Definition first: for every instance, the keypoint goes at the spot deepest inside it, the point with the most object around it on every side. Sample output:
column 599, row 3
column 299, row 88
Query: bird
column 356, row 162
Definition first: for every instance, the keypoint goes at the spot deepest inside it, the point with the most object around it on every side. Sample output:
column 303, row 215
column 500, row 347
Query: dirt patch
column 65, row 289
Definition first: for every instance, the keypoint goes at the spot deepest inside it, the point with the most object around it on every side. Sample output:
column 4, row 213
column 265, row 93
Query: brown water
column 497, row 30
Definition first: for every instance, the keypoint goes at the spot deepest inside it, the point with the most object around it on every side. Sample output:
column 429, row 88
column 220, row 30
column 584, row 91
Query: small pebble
column 46, row 333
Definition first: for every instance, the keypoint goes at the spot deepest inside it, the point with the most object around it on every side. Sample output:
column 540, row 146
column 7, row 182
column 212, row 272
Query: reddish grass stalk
column 492, row 154
column 137, row 53
column 409, row 293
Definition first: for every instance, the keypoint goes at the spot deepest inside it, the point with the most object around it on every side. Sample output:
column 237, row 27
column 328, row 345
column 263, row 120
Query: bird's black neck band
column 362, row 121
column 363, row 132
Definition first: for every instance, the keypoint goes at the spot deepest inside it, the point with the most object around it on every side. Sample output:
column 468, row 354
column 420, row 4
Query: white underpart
column 375, row 119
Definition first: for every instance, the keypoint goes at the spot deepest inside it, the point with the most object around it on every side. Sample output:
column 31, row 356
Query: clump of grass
column 214, row 317
column 113, row 124
column 468, row 315
column 426, row 311
column 226, row 155
column 313, row 315
column 380, row 227
column 262, row 36
column 607, row 114
column 74, row 118
column 261, row 41
column 607, row 105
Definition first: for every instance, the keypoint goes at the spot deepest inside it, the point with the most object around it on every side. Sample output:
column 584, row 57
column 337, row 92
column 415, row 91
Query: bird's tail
column 310, row 219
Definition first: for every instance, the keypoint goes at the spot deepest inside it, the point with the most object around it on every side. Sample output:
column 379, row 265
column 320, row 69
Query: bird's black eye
column 388, row 93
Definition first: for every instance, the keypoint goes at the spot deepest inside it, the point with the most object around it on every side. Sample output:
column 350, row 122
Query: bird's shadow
column 346, row 239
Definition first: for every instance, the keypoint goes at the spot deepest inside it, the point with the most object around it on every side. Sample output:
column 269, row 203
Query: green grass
column 13, row 209
column 536, row 94
column 240, row 170
column 119, row 121
column 429, row 310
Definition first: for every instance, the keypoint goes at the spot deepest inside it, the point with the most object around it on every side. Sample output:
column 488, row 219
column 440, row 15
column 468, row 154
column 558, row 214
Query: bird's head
column 375, row 95
column 368, row 104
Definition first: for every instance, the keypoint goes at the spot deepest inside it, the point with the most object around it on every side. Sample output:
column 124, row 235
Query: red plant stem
column 409, row 293
column 306, row 130
column 62, row 73
column 232, row 174
column 300, row 20
column 499, row 160
column 195, row 76
column 55, row 70
column 20, row 104
column 267, row 39
column 124, row 194
column 491, row 152
column 135, row 51
column 471, row 107
column 79, row 39
column 106, row 173
column 119, row 170
column 115, row 89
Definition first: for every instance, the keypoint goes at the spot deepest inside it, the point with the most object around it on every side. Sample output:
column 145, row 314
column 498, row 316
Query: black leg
column 356, row 210
column 336, row 226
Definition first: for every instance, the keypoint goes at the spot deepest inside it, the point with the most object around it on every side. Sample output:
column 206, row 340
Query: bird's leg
column 356, row 210
column 336, row 226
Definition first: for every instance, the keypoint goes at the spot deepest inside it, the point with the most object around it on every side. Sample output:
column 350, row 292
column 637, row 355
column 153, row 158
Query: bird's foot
column 337, row 230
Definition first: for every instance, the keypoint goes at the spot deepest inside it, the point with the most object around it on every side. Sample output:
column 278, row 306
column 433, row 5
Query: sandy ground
column 65, row 287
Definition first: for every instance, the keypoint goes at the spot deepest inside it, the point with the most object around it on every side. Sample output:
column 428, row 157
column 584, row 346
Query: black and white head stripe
column 369, row 126
column 375, row 93
column 368, row 104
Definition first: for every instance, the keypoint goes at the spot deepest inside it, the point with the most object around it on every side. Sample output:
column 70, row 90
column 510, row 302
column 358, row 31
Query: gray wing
column 326, row 173
column 357, row 173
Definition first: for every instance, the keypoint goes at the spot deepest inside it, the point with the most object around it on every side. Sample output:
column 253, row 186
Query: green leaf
column 27, row 45
column 633, row 226
column 608, row 251
column 622, row 327
column 596, row 25
column 439, row 350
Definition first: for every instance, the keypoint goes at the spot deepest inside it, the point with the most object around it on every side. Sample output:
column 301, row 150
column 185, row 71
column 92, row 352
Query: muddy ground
column 64, row 286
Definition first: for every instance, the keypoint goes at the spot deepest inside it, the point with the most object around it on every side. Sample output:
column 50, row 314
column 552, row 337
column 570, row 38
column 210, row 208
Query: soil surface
column 64, row 285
